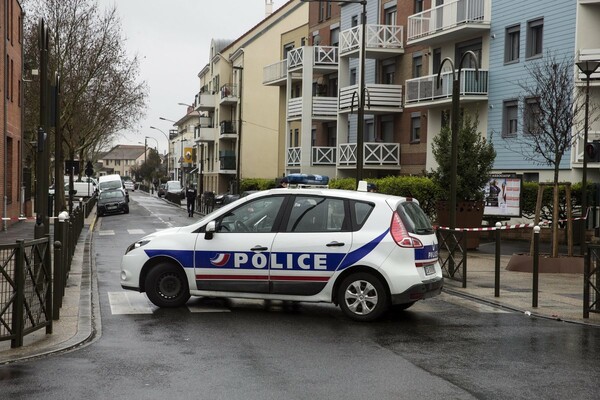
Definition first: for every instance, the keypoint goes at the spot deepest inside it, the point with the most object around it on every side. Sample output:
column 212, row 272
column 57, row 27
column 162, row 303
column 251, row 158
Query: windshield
column 111, row 194
column 110, row 185
column 174, row 186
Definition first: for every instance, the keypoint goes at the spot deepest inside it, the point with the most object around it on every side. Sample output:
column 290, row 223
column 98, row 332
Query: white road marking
column 135, row 231
column 129, row 303
column 106, row 233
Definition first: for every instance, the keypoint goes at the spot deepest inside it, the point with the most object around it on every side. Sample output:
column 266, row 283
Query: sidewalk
column 560, row 295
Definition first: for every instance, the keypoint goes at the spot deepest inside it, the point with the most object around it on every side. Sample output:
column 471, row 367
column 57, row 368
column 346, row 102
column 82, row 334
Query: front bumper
column 418, row 292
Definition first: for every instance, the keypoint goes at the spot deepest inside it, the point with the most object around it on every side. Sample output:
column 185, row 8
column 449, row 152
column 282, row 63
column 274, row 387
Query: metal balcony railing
column 378, row 96
column 447, row 16
column 275, row 72
column 425, row 88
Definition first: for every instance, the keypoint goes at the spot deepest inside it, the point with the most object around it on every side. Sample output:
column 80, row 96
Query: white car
column 366, row 252
column 129, row 185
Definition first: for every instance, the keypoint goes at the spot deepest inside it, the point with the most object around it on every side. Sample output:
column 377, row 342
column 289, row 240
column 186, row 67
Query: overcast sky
column 172, row 39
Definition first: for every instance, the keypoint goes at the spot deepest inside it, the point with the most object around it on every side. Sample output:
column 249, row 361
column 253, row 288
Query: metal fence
column 32, row 284
column 591, row 281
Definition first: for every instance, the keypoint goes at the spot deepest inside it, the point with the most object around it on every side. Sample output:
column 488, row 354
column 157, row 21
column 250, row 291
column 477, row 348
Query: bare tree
column 100, row 90
column 552, row 108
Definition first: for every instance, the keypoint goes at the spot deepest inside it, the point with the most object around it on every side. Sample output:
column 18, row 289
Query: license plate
column 111, row 207
column 429, row 269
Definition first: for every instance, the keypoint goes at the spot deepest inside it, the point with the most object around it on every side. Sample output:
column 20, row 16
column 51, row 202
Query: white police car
column 366, row 252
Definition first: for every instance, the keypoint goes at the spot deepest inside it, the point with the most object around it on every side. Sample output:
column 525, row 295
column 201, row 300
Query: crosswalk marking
column 110, row 232
column 132, row 303
column 106, row 233
column 135, row 231
column 129, row 303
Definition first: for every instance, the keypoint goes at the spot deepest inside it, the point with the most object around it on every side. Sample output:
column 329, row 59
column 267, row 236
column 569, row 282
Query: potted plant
column 475, row 159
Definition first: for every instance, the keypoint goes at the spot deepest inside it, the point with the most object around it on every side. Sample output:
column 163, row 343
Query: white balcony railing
column 378, row 37
column 275, row 72
column 447, row 16
column 378, row 96
column 295, row 107
column 323, row 155
column 205, row 101
column 322, row 55
column 588, row 55
column 374, row 154
column 293, row 157
column 322, row 107
column 425, row 88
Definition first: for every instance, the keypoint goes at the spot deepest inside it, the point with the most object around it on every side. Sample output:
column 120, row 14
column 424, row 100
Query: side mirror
column 210, row 230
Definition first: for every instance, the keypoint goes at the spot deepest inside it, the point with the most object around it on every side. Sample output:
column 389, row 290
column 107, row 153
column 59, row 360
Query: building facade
column 122, row 159
column 13, row 190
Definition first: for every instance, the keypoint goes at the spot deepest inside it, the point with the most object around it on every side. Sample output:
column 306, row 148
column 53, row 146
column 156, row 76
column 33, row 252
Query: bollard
column 58, row 278
column 497, row 265
column 536, row 264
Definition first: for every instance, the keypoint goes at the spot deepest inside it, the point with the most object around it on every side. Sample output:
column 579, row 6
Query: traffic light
column 592, row 151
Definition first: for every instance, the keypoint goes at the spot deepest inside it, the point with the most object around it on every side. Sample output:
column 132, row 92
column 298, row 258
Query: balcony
column 376, row 155
column 275, row 74
column 228, row 94
column 228, row 130
column 382, row 41
column 578, row 148
column 323, row 108
column 325, row 58
column 588, row 55
column 227, row 162
column 206, row 122
column 380, row 99
column 206, row 135
column 454, row 21
column 205, row 101
column 424, row 90
column 321, row 155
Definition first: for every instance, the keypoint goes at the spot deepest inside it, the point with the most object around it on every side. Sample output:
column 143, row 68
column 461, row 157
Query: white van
column 87, row 187
column 114, row 181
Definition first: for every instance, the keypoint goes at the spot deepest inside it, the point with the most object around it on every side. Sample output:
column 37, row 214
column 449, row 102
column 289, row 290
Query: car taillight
column 400, row 234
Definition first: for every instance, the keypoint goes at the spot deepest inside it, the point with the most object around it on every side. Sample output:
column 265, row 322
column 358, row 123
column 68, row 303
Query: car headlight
column 137, row 244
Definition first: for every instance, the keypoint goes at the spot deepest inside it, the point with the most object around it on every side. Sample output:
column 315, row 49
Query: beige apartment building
column 240, row 122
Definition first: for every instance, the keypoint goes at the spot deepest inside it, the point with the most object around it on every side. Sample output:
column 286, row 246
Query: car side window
column 255, row 216
column 316, row 214
column 361, row 212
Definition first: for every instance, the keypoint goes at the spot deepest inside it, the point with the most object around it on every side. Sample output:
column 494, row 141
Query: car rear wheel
column 362, row 297
column 167, row 286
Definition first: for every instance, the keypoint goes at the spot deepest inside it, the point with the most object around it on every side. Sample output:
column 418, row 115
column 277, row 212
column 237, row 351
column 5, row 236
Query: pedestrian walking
column 190, row 194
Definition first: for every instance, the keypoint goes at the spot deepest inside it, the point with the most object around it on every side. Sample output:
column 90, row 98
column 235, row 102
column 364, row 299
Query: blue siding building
column 522, row 33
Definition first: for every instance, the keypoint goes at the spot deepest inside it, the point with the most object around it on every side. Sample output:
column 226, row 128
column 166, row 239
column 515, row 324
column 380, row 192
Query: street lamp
column 167, row 119
column 361, row 86
column 455, row 125
column 167, row 137
column 587, row 68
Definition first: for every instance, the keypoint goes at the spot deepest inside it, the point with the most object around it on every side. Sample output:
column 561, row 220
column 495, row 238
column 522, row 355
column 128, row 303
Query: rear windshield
column 111, row 194
column 110, row 185
column 414, row 219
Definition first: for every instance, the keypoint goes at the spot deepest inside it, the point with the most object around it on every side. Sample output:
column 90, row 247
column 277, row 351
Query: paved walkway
column 560, row 295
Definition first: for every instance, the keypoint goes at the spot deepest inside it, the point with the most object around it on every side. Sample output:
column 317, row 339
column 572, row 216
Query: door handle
column 259, row 248
column 335, row 244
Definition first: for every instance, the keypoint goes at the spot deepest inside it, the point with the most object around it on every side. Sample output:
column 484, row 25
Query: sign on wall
column 503, row 196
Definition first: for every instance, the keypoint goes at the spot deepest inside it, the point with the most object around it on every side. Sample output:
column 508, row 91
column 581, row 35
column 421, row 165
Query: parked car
column 367, row 252
column 112, row 201
column 129, row 185
column 175, row 187
column 162, row 190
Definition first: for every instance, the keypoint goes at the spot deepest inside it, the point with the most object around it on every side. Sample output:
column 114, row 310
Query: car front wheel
column 167, row 286
column 362, row 297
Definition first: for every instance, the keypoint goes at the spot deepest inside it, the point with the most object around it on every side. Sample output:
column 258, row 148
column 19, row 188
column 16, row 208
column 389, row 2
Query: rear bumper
column 419, row 292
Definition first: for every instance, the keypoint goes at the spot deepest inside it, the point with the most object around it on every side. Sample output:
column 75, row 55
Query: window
column 389, row 73
column 418, row 6
column 331, row 134
column 390, row 16
column 255, row 216
column 353, row 80
column 335, row 36
column 324, row 10
column 317, row 214
column 535, row 34
column 531, row 116
column 354, row 21
column 417, row 66
column 9, row 170
column 512, row 44
column 510, row 110
column 415, row 127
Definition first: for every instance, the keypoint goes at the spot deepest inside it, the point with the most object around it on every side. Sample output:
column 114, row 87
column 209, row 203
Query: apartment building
column 238, row 134
column 182, row 147
column 121, row 159
column 13, row 189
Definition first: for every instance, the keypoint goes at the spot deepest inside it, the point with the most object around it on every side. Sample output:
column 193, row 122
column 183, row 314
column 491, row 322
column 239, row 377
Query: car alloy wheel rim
column 361, row 297
column 169, row 286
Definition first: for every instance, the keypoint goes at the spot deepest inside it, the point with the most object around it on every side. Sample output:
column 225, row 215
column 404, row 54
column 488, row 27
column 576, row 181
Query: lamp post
column 587, row 68
column 455, row 125
column 361, row 86
column 167, row 137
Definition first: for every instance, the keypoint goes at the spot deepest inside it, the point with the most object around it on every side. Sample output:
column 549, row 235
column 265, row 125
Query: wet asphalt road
column 232, row 349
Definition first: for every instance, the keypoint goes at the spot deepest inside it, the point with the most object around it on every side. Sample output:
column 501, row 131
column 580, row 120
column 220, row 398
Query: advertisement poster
column 503, row 196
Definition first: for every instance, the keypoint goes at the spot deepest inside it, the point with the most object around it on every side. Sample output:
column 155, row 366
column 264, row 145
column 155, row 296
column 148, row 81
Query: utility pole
column 42, row 226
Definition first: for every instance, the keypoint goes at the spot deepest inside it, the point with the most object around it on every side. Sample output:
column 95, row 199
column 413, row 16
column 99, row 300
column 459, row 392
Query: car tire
column 167, row 286
column 362, row 297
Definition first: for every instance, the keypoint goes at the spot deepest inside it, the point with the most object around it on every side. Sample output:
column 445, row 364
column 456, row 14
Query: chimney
column 268, row 8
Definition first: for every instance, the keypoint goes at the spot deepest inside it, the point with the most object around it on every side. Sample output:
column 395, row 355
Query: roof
column 124, row 152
